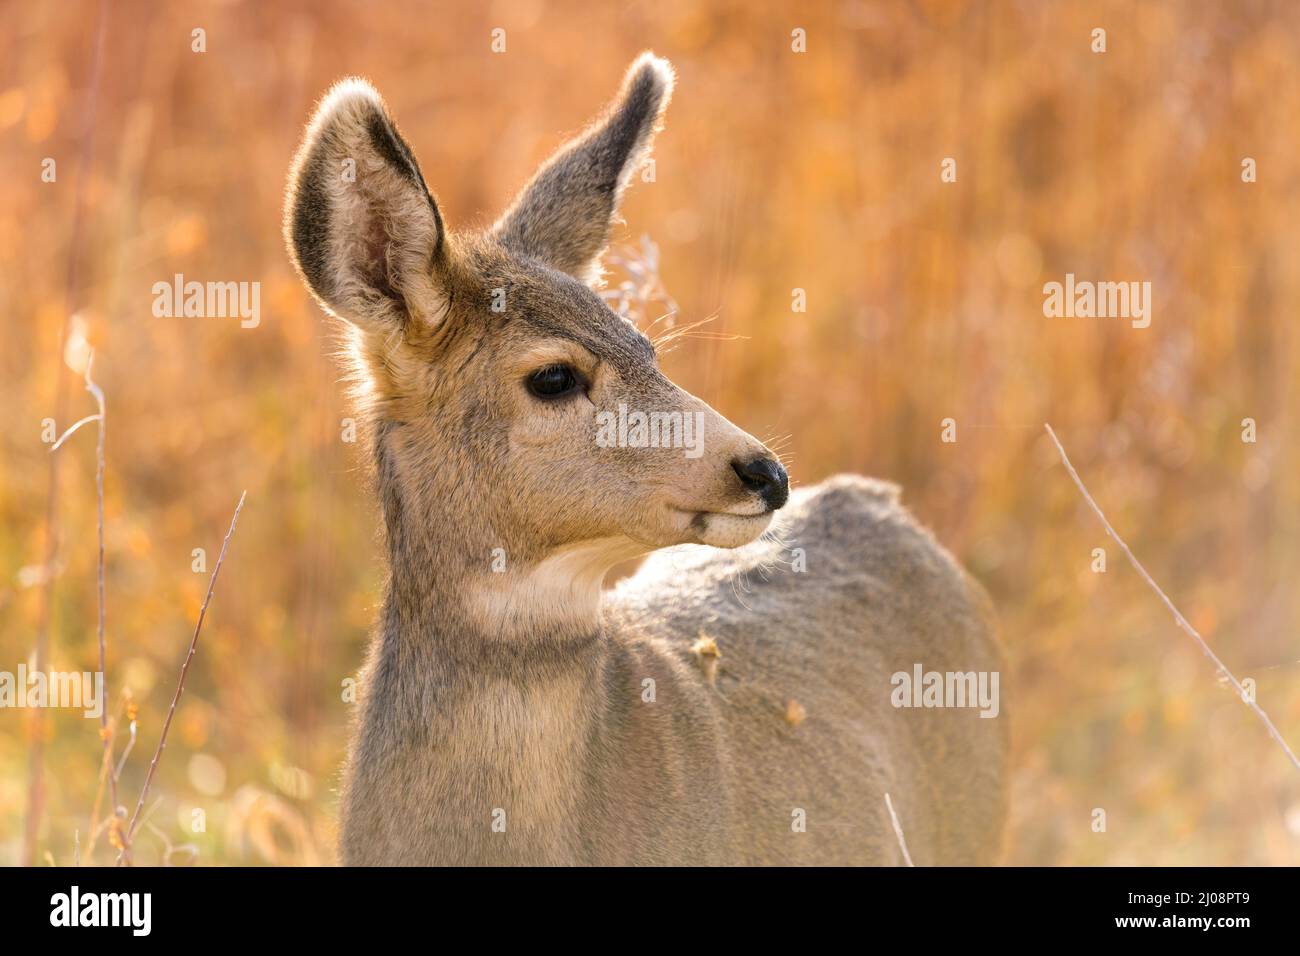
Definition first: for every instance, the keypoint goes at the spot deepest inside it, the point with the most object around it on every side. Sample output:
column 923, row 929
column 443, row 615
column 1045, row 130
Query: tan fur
column 524, row 695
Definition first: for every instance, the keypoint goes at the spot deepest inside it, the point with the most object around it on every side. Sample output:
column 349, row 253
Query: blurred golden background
column 777, row 171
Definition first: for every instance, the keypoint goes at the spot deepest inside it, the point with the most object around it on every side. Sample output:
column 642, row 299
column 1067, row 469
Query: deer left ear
column 564, row 215
column 360, row 223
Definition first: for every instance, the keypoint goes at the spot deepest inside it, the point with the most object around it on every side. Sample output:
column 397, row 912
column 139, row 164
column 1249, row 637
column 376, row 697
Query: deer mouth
column 726, row 529
column 758, row 510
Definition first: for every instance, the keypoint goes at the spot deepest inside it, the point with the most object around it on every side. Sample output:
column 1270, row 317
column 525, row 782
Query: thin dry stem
column 36, row 757
column 72, row 429
column 124, row 855
column 104, row 730
column 1247, row 699
column 105, row 769
column 898, row 831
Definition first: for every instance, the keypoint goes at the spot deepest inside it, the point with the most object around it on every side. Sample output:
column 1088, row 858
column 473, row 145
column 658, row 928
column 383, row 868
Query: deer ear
column 564, row 215
column 361, row 226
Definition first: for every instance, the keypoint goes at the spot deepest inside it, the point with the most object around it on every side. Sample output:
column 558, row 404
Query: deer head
column 511, row 407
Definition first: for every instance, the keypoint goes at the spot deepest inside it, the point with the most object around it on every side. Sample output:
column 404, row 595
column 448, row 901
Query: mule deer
column 512, row 709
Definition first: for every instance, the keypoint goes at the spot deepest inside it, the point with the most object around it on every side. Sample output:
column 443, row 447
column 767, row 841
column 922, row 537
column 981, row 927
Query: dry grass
column 775, row 172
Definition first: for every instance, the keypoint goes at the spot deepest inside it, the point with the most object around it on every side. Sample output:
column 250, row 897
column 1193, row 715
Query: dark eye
column 552, row 381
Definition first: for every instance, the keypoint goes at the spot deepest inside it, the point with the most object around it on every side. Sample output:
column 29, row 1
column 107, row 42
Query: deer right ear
column 563, row 217
column 360, row 223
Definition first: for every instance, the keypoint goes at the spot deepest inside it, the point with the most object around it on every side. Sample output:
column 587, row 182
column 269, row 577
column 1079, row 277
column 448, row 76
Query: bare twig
column 36, row 757
column 127, row 711
column 72, row 429
column 126, row 752
column 169, row 850
column 105, row 769
column 180, row 685
column 148, row 814
column 104, row 730
column 105, row 733
column 1182, row 622
column 898, row 831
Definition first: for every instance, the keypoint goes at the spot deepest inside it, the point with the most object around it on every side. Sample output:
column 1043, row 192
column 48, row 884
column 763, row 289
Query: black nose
column 767, row 477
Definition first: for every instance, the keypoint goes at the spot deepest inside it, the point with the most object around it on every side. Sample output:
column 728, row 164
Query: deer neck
column 490, row 676
column 463, row 586
column 464, row 594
